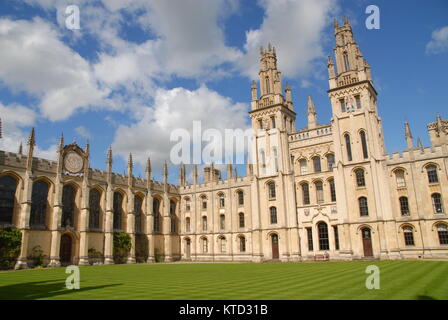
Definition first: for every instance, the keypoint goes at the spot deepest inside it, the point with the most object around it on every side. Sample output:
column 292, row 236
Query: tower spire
column 312, row 115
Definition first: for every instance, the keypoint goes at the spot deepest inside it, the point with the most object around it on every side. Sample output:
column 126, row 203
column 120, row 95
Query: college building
column 324, row 192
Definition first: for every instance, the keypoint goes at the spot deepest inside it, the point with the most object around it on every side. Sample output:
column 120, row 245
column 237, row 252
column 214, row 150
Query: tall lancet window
column 365, row 153
column 348, row 147
column 268, row 89
column 346, row 62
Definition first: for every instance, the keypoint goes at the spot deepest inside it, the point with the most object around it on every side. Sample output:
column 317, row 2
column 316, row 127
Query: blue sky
column 139, row 68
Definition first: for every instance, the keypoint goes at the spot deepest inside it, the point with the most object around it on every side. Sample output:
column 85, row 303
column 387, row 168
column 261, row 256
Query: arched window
column 94, row 209
column 274, row 152
column 222, row 202
column 242, row 244
column 263, row 161
column 187, row 224
column 324, row 243
column 432, row 174
column 156, row 213
column 303, row 166
column 39, row 199
column 363, row 207
column 118, row 210
column 240, row 198
column 173, row 216
column 273, row 212
column 437, row 203
column 204, row 245
column 348, row 147
column 222, row 222
column 305, row 193
column 332, row 190
column 241, row 220
column 319, row 191
column 204, row 202
column 223, row 244
column 365, row 153
column 187, row 204
column 316, row 164
column 330, row 161
column 68, row 203
column 442, row 231
column 138, row 211
column 271, row 188
column 8, row 186
column 268, row 89
column 399, row 178
column 360, row 178
column 204, row 223
column 346, row 62
column 408, row 236
column 404, row 206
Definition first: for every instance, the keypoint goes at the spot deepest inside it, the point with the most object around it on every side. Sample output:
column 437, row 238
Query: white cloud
column 295, row 29
column 83, row 132
column 37, row 62
column 14, row 118
column 439, row 41
column 173, row 109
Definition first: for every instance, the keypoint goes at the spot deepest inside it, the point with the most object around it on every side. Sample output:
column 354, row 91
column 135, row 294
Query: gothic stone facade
column 330, row 192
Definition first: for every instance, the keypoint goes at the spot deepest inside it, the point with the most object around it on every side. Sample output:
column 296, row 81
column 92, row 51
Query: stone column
column 149, row 226
column 24, row 222
column 108, row 228
column 55, row 225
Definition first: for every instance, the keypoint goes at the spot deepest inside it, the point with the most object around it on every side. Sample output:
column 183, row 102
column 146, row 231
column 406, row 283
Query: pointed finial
column 330, row 61
column 20, row 148
column 109, row 156
column 407, row 130
column 87, row 148
column 269, row 47
column 130, row 162
column 61, row 141
column 254, row 84
column 311, row 108
column 335, row 22
column 148, row 165
column 346, row 21
column 419, row 143
column 32, row 138
column 165, row 170
column 261, row 50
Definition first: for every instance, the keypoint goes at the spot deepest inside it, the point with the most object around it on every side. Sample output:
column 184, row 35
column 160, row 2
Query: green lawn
column 327, row 280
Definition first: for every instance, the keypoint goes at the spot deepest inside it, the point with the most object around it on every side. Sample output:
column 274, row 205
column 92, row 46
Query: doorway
column 367, row 242
column 65, row 253
column 274, row 240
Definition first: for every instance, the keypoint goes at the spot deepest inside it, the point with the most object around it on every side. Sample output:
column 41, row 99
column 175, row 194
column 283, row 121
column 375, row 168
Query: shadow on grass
column 41, row 290
column 422, row 297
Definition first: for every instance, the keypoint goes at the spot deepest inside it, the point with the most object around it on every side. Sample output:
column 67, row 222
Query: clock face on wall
column 73, row 162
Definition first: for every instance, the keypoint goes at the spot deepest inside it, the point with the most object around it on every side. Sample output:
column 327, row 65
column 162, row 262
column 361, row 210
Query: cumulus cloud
column 295, row 29
column 37, row 62
column 439, row 41
column 174, row 109
column 14, row 118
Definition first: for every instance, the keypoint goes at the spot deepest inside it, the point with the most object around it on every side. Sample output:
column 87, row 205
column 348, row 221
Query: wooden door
column 274, row 239
column 65, row 254
column 367, row 242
